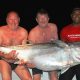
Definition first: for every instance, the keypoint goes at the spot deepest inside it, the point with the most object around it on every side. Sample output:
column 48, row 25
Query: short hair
column 10, row 12
column 42, row 12
column 74, row 10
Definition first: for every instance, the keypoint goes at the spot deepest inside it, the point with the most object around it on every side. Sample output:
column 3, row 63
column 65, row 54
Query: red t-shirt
column 70, row 33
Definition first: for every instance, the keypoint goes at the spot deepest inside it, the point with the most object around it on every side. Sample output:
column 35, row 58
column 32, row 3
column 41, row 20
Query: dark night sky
column 59, row 11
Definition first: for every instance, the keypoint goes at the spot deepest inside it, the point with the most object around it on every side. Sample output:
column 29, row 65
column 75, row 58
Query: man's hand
column 12, row 55
column 28, row 64
column 22, row 62
column 1, row 54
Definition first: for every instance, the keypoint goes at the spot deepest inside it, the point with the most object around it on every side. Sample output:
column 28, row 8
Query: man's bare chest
column 12, row 39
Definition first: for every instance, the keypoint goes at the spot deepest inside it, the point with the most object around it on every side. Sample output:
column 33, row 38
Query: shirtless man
column 12, row 34
column 44, row 32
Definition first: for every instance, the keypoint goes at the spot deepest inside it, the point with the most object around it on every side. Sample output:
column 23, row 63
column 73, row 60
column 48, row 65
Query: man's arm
column 1, row 53
column 54, row 31
column 32, row 36
column 63, row 35
column 11, row 55
column 25, row 36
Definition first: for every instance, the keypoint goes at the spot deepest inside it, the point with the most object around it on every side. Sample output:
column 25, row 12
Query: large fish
column 55, row 55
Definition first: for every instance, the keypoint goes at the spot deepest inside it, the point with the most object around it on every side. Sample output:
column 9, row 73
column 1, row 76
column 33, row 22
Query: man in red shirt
column 44, row 32
column 71, row 33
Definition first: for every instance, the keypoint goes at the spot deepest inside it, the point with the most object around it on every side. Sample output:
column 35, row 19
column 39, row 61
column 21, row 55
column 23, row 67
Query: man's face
column 76, row 17
column 13, row 20
column 42, row 20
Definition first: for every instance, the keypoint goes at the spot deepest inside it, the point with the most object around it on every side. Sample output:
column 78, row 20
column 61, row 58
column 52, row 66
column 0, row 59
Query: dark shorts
column 69, row 74
column 13, row 66
column 36, row 71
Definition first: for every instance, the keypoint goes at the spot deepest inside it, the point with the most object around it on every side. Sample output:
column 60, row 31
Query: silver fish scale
column 48, row 56
column 48, row 46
